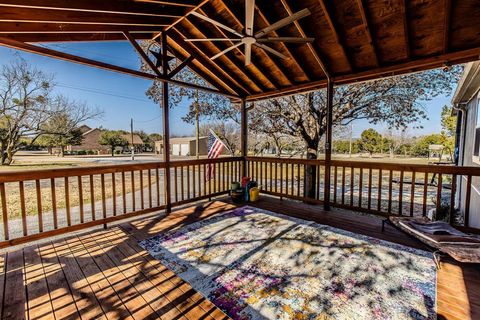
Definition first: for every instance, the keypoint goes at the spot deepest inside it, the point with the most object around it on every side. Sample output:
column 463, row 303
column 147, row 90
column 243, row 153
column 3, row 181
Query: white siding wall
column 466, row 153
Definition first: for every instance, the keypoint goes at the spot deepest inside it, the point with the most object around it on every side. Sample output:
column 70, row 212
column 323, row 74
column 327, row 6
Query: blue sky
column 122, row 97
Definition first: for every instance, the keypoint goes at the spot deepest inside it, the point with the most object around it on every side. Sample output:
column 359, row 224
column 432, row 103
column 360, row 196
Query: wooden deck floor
column 105, row 274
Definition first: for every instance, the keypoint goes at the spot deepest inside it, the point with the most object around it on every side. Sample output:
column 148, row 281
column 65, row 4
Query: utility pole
column 131, row 135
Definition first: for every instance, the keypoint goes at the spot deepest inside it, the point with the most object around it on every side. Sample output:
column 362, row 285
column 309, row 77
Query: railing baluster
column 380, row 180
column 360, row 188
column 92, row 198
column 188, row 182
column 352, row 182
column 3, row 195
column 149, row 188
column 80, row 199
column 124, row 193
column 176, row 183
column 182, row 187
column 412, row 194
column 23, row 209
column 335, row 177
column 281, row 178
column 400, row 193
column 39, row 205
column 439, row 192
column 104, row 203
column 54, row 202
column 193, row 181
column 467, row 200
column 157, row 183
column 132, row 173
column 114, row 194
column 142, row 198
column 369, row 200
column 67, row 202
column 343, row 185
column 276, row 177
column 452, row 199
column 425, row 193
column 390, row 177
column 298, row 180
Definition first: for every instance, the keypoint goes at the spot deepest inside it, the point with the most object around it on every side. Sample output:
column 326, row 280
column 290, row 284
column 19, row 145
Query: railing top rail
column 179, row 163
column 24, row 175
column 287, row 160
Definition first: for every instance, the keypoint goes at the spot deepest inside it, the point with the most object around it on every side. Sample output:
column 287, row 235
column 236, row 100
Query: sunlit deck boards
column 105, row 274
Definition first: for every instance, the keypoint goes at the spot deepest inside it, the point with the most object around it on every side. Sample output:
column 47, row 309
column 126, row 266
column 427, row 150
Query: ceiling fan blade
column 286, row 39
column 221, row 25
column 283, row 22
column 249, row 14
column 226, row 50
column 271, row 50
column 248, row 53
column 212, row 39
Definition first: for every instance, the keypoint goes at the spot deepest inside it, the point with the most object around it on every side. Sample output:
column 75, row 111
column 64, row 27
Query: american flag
column 215, row 147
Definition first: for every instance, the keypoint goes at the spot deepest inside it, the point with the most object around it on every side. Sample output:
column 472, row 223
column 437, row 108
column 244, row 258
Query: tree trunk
column 62, row 151
column 310, row 182
column 113, row 150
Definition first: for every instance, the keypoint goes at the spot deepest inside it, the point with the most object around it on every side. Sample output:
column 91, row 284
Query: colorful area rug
column 256, row 264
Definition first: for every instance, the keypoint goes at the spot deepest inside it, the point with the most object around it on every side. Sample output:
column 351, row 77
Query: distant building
column 184, row 146
column 91, row 137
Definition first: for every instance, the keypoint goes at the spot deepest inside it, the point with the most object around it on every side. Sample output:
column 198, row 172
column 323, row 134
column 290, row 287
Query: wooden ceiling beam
column 142, row 54
column 115, row 7
column 98, row 64
column 448, row 16
column 178, row 3
column 218, row 47
column 338, row 40
column 366, row 24
column 180, row 67
column 32, row 27
column 283, row 45
column 73, row 37
column 217, row 71
column 10, row 14
column 281, row 70
column 416, row 65
column 314, row 53
column 406, row 29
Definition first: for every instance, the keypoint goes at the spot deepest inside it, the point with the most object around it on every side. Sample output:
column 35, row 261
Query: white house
column 466, row 104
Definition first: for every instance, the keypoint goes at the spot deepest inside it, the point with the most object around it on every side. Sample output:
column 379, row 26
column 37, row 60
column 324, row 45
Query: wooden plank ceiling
column 355, row 40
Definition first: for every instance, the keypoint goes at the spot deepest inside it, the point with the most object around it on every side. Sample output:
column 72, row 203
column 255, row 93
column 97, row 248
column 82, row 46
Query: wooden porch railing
column 43, row 203
column 372, row 187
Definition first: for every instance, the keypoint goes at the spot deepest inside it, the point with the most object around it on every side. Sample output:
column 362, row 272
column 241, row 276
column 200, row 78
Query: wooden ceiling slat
column 178, row 3
column 284, row 46
column 338, row 40
column 371, row 41
column 10, row 14
column 406, row 29
column 314, row 53
column 73, row 37
column 278, row 70
column 32, row 27
column 117, row 6
column 446, row 31
column 219, row 73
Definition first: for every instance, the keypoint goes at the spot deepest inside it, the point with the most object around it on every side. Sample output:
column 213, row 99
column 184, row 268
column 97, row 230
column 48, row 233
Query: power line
column 102, row 92
column 150, row 120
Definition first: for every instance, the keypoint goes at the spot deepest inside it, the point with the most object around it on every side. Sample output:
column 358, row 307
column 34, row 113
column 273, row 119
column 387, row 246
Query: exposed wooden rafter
column 338, row 40
column 180, row 67
column 366, row 24
column 280, row 69
column 97, row 64
column 314, row 53
column 77, row 37
column 446, row 31
column 142, row 54
column 47, row 27
column 284, row 45
column 239, row 67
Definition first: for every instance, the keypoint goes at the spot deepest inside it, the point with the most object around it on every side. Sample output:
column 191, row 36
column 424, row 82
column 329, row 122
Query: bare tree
column 26, row 106
column 228, row 132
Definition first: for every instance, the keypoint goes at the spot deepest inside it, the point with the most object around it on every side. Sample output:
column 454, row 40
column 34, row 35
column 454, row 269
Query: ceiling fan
column 249, row 38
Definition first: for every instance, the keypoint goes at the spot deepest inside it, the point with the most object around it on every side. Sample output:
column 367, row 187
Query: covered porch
column 93, row 273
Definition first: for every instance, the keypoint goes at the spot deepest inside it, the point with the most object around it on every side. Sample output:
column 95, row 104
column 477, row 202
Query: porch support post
column 328, row 144
column 166, row 127
column 243, row 136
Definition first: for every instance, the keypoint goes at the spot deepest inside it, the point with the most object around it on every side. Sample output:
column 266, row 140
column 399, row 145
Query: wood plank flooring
column 104, row 274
